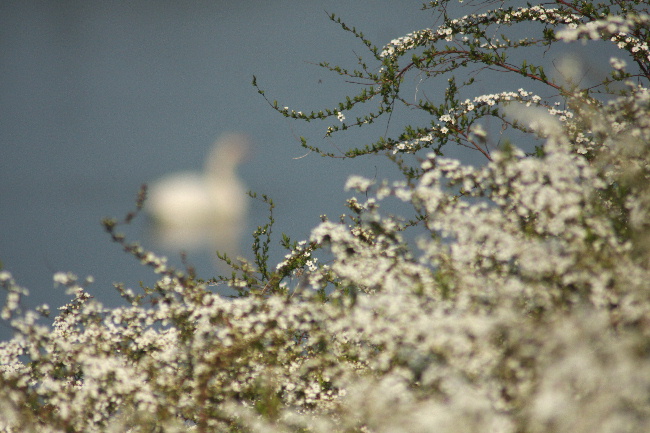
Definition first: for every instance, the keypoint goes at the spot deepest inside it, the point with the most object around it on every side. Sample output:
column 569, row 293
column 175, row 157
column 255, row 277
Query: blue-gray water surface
column 98, row 98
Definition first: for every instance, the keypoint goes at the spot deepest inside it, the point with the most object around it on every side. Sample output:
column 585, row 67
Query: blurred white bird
column 191, row 210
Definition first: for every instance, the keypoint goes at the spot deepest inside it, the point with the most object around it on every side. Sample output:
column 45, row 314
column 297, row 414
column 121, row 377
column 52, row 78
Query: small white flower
column 478, row 131
column 617, row 63
column 358, row 183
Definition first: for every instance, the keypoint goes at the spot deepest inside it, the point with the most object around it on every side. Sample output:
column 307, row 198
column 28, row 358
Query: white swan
column 192, row 210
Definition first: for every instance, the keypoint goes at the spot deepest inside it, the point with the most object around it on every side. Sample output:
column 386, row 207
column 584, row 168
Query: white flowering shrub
column 524, row 306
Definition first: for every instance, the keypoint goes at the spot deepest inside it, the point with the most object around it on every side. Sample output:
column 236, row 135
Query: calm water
column 100, row 97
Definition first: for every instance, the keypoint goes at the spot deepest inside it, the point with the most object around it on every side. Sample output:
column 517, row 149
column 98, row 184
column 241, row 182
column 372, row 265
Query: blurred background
column 99, row 97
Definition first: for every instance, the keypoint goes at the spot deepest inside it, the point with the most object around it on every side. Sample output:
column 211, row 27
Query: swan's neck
column 221, row 171
column 221, row 165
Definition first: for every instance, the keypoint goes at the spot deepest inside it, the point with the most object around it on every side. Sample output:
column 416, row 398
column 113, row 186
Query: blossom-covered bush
column 523, row 307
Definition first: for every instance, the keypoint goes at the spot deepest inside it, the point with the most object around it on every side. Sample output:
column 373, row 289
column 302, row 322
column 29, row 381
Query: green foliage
column 475, row 45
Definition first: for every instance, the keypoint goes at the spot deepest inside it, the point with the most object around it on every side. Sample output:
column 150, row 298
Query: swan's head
column 227, row 152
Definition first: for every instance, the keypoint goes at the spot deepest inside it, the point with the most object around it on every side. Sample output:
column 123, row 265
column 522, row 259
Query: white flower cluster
column 618, row 29
column 414, row 144
column 521, row 304
column 468, row 23
column 405, row 42
column 449, row 120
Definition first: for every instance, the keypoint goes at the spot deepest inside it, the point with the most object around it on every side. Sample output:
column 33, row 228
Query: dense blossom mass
column 522, row 305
